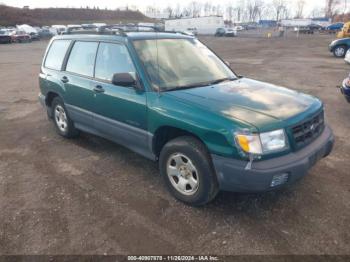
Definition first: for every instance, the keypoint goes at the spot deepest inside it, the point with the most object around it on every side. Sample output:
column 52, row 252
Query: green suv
column 169, row 98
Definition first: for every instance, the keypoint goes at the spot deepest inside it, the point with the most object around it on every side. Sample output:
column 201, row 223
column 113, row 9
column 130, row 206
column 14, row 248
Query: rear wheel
column 340, row 51
column 64, row 125
column 186, row 168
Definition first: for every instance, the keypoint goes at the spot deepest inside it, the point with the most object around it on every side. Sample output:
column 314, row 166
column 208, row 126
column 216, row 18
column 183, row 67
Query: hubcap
column 340, row 51
column 182, row 174
column 61, row 118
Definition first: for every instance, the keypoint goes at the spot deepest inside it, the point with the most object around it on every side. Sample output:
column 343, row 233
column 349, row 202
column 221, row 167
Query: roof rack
column 116, row 29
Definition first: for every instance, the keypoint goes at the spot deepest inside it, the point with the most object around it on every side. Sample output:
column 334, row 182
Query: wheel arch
column 166, row 133
column 50, row 97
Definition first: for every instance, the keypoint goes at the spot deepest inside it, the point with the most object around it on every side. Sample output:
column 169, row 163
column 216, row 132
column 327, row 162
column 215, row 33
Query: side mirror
column 125, row 79
column 227, row 63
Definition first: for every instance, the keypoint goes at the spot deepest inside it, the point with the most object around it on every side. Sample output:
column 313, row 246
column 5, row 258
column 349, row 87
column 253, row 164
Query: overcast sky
column 112, row 4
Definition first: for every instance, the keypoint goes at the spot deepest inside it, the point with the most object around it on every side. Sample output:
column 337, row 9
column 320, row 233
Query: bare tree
column 207, row 8
column 229, row 12
column 254, row 9
column 195, row 8
column 300, row 9
column 170, row 11
column 331, row 8
column 280, row 8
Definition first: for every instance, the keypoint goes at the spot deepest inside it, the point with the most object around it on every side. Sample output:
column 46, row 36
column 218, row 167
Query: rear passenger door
column 77, row 78
column 120, row 111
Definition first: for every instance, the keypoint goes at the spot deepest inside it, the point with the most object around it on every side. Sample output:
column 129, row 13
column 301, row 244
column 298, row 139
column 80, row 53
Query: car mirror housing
column 125, row 79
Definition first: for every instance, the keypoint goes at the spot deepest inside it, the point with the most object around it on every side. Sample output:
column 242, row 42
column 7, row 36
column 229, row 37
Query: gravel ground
column 90, row 196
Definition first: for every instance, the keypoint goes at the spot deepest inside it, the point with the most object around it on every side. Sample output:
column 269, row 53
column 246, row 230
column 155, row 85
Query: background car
column 304, row 30
column 231, row 32
column 45, row 33
column 238, row 28
column 334, row 27
column 34, row 36
column 339, row 47
column 21, row 37
column 5, row 37
column 220, row 32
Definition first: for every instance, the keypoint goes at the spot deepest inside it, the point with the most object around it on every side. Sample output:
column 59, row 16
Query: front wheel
column 186, row 168
column 339, row 51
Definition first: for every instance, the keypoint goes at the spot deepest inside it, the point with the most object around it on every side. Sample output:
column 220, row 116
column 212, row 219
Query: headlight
column 273, row 141
column 262, row 143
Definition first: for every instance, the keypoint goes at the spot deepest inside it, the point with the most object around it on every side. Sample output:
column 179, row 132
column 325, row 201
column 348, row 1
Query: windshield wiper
column 201, row 84
column 226, row 79
column 188, row 86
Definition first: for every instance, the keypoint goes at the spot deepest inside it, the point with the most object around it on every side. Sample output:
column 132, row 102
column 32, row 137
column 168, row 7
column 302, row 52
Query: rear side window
column 56, row 54
column 82, row 58
column 111, row 59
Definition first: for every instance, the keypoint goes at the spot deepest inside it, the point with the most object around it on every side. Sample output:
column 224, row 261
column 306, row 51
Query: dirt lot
column 90, row 196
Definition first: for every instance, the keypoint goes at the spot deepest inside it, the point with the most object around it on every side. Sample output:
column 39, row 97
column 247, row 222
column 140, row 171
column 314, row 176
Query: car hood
column 257, row 103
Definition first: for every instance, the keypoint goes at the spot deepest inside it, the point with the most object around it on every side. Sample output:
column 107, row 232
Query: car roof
column 126, row 36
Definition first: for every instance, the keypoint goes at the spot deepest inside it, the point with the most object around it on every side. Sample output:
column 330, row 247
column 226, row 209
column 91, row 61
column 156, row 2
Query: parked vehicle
column 339, row 47
column 220, row 32
column 21, row 37
column 231, row 32
column 345, row 88
column 45, row 33
column 59, row 29
column 333, row 28
column 5, row 37
column 34, row 36
column 238, row 28
column 251, row 26
column 169, row 98
column 304, row 30
column 345, row 31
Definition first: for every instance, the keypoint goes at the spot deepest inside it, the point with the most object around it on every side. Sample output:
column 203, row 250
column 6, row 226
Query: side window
column 82, row 58
column 111, row 59
column 56, row 54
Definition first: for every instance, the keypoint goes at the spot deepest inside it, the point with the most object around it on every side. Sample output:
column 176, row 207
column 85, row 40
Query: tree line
column 252, row 10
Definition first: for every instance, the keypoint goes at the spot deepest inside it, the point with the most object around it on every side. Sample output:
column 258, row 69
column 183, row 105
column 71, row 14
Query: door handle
column 65, row 79
column 98, row 89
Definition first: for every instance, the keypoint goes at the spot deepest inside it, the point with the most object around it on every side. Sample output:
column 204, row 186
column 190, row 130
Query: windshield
column 181, row 63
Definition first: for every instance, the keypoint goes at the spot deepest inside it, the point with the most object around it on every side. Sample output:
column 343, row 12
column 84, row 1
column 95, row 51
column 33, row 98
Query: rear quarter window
column 56, row 54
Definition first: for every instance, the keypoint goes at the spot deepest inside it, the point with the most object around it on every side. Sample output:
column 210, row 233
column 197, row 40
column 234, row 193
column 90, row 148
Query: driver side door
column 121, row 112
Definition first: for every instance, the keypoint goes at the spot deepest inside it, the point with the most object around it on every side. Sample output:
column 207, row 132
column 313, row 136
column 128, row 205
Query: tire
column 340, row 51
column 186, row 168
column 64, row 125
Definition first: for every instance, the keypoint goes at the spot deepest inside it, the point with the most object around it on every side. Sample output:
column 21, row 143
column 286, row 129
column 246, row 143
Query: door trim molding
column 134, row 138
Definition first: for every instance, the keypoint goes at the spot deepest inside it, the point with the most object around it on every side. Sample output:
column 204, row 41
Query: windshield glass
column 181, row 63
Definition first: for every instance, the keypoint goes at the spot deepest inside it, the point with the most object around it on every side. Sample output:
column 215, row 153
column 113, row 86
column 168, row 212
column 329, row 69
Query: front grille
column 306, row 132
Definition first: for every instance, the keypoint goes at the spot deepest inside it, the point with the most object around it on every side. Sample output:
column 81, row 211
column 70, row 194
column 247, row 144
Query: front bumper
column 330, row 48
column 233, row 176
